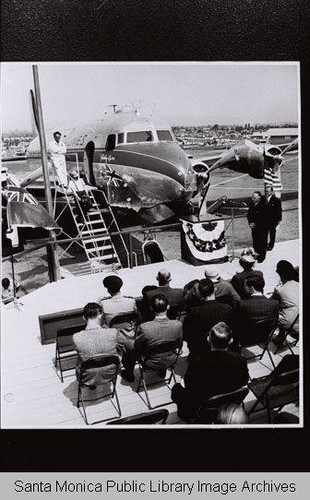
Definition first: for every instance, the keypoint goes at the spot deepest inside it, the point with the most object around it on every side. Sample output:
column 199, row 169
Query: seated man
column 202, row 317
column 143, row 307
column 254, row 310
column 287, row 295
column 224, row 291
column 8, row 290
column 96, row 340
column 117, row 303
column 173, row 295
column 153, row 333
column 247, row 261
column 215, row 371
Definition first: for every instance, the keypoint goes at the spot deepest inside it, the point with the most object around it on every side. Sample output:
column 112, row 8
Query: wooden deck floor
column 32, row 393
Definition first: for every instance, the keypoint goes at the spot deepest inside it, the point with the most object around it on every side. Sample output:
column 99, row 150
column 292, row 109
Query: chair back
column 209, row 407
column 99, row 361
column 126, row 323
column 287, row 371
column 261, row 331
column 163, row 347
column 64, row 337
column 294, row 322
column 158, row 417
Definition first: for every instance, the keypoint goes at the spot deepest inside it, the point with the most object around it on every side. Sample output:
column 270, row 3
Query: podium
column 203, row 240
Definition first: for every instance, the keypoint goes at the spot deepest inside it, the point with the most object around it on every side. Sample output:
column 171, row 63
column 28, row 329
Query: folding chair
column 289, row 332
column 155, row 417
column 208, row 409
column 93, row 364
column 262, row 331
column 162, row 348
column 123, row 321
column 65, row 348
column 279, row 388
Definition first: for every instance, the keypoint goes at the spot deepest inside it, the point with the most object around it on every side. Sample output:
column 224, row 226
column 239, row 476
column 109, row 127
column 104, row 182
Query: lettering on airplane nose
column 107, row 158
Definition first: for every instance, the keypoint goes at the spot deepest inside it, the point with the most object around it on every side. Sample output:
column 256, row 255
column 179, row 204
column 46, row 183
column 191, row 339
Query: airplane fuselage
column 126, row 149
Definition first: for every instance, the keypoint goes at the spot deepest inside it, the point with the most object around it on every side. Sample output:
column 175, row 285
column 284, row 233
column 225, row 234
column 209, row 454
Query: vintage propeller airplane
column 139, row 163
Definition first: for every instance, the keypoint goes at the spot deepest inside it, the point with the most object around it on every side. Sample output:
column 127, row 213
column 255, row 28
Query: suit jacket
column 218, row 373
column 173, row 295
column 201, row 319
column 238, row 280
column 288, row 297
column 225, row 293
column 249, row 313
column 91, row 342
column 273, row 210
column 222, row 371
column 152, row 334
column 257, row 214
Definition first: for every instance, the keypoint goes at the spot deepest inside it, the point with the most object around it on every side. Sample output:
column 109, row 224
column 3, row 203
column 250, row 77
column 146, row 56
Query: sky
column 178, row 93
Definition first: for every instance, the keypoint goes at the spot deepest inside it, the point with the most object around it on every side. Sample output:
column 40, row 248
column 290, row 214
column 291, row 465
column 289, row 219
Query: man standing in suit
column 254, row 310
column 202, row 317
column 96, row 340
column 273, row 214
column 258, row 223
column 210, row 374
column 152, row 334
column 173, row 295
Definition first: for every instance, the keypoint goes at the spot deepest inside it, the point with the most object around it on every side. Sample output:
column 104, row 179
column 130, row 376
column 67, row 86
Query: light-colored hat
column 247, row 256
column 212, row 273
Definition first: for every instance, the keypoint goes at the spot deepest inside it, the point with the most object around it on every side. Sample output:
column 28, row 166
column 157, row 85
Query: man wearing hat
column 117, row 303
column 246, row 261
column 58, row 150
column 223, row 290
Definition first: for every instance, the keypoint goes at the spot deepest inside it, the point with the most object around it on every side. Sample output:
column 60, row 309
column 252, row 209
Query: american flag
column 273, row 179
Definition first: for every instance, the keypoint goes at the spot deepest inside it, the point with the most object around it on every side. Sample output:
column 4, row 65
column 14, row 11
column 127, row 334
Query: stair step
column 87, row 231
column 96, row 221
column 102, row 258
column 95, row 240
column 97, row 249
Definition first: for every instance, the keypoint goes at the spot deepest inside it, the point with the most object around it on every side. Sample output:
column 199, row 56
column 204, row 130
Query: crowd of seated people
column 218, row 318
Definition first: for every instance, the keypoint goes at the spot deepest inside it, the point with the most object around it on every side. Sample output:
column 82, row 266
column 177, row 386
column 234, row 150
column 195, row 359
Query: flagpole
column 53, row 262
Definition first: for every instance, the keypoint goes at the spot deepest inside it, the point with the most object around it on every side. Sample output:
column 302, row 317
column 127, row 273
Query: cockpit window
column 164, row 135
column 110, row 144
column 143, row 136
column 120, row 138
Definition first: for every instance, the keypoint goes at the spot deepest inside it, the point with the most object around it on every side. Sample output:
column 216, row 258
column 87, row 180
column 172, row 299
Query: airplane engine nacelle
column 250, row 159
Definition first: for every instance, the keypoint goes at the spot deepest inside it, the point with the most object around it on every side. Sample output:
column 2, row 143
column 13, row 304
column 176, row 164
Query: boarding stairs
column 93, row 232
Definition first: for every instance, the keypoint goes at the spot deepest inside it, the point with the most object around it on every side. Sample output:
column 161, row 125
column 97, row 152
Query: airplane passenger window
column 164, row 135
column 120, row 138
column 110, row 144
column 142, row 136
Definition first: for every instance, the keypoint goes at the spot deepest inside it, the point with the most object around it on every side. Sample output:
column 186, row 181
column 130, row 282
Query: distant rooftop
column 282, row 131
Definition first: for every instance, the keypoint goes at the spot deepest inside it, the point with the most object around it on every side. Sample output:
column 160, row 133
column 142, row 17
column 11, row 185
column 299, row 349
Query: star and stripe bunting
column 273, row 179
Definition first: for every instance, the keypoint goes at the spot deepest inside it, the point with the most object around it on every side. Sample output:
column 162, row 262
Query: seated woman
column 79, row 189
column 287, row 294
column 247, row 262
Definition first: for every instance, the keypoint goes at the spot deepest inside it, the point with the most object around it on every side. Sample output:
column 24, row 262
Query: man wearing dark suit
column 152, row 334
column 252, row 311
column 273, row 214
column 258, row 223
column 210, row 374
column 202, row 317
column 173, row 295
